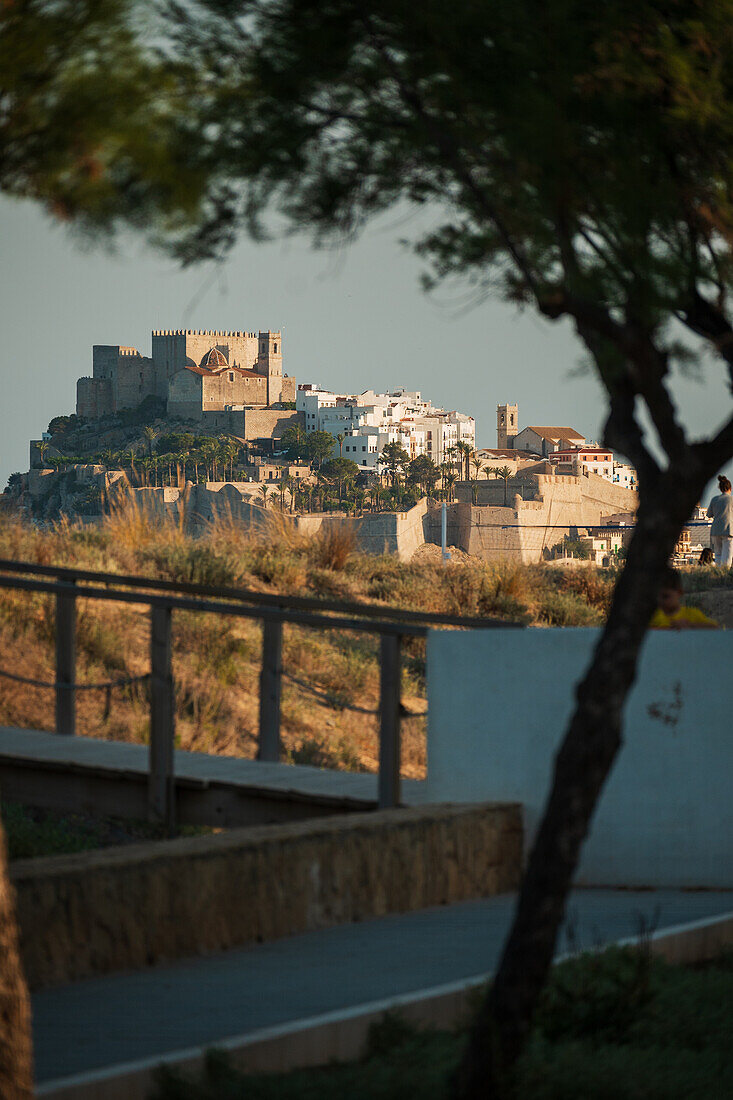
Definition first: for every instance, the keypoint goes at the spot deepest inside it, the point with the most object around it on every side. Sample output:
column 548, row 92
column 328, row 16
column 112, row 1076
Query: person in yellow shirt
column 671, row 614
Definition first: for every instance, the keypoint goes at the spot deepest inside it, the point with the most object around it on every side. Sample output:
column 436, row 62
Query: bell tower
column 507, row 419
column 270, row 363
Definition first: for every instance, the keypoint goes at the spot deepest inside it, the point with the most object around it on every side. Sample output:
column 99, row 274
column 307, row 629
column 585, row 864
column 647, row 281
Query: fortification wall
column 134, row 378
column 269, row 423
column 541, row 509
column 232, row 388
column 94, row 397
column 288, row 389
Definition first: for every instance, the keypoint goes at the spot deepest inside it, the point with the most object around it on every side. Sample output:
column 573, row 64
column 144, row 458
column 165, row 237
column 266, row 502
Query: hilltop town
column 210, row 421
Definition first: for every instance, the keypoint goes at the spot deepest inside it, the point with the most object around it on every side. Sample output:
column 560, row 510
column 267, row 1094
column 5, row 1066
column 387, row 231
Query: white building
column 589, row 459
column 625, row 475
column 369, row 421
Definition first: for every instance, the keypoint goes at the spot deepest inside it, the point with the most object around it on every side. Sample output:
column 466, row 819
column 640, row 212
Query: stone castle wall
column 122, row 377
column 543, row 509
column 94, row 397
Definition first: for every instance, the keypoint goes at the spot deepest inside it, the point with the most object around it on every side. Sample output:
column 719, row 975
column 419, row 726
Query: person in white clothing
column 721, row 532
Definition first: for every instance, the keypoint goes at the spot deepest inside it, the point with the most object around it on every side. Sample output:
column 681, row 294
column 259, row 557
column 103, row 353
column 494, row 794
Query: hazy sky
column 351, row 319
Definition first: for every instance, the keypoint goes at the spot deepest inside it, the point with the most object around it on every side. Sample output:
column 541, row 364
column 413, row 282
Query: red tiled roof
column 239, row 370
column 555, row 433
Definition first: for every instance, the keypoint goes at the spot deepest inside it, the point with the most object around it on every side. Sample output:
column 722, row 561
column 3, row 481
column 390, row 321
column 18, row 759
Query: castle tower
column 507, row 420
column 270, row 363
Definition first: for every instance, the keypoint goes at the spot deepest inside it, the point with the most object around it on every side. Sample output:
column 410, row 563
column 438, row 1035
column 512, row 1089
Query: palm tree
column 264, row 493
column 450, row 481
column 478, row 465
column 282, row 486
column 150, row 436
column 504, row 472
column 232, row 450
column 208, row 452
column 340, row 440
column 464, row 451
column 42, row 447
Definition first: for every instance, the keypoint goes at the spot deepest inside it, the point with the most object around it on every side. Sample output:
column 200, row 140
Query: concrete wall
column 136, row 906
column 499, row 702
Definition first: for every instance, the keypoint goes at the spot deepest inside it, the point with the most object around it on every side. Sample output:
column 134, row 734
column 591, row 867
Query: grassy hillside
column 216, row 661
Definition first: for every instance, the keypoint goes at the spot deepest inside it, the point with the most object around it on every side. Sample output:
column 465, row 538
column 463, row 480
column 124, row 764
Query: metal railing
column 391, row 625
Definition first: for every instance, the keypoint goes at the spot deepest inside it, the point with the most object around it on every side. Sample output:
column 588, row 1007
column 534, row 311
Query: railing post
column 161, row 787
column 270, row 688
column 389, row 720
column 65, row 662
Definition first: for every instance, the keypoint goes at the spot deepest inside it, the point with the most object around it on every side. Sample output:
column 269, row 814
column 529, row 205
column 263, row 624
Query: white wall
column 499, row 702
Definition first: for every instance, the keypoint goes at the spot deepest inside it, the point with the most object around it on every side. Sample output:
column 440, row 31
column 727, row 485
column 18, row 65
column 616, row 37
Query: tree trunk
column 582, row 765
column 16, row 1062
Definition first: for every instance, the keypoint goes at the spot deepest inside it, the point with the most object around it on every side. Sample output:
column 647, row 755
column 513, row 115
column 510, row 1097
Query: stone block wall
column 269, row 423
column 137, row 906
column 229, row 387
column 288, row 389
column 94, row 397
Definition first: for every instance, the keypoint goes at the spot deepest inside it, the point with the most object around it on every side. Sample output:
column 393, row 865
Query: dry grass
column 216, row 661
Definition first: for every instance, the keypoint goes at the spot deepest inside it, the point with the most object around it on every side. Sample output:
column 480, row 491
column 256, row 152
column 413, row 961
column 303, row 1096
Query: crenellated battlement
column 247, row 371
column 202, row 332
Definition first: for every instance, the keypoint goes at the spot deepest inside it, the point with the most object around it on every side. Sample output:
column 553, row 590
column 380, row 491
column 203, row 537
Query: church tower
column 507, row 419
column 270, row 363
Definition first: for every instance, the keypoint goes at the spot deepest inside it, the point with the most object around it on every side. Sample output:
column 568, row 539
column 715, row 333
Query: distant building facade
column 536, row 439
column 368, row 421
column 582, row 460
column 195, row 371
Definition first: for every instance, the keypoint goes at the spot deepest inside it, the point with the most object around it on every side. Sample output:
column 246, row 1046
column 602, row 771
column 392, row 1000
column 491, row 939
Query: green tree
column 341, row 470
column 318, row 447
column 92, row 123
column 395, row 459
column 294, row 441
column 423, row 472
column 15, row 484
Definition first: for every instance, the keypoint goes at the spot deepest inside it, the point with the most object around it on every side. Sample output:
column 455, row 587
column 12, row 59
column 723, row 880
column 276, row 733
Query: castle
column 195, row 371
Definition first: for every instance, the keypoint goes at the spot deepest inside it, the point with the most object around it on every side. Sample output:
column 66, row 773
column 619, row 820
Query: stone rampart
column 137, row 906
column 541, row 509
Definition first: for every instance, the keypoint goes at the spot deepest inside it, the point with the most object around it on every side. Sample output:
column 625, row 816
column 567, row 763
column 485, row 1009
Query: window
column 275, row 348
column 231, row 375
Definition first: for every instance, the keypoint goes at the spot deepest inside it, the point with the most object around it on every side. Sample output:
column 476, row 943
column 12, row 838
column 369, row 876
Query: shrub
column 195, row 563
column 333, row 545
column 567, row 609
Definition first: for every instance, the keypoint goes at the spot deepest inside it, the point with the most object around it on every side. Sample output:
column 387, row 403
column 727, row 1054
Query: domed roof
column 214, row 359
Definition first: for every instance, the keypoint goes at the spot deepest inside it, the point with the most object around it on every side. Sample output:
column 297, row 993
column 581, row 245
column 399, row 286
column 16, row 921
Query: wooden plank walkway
column 49, row 753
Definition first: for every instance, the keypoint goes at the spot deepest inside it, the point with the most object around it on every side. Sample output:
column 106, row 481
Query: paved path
column 119, row 756
column 122, row 1018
